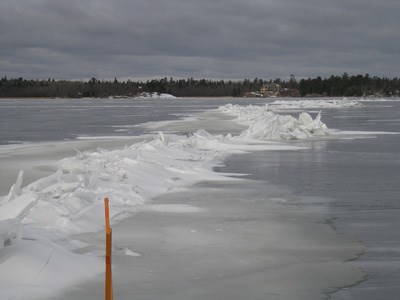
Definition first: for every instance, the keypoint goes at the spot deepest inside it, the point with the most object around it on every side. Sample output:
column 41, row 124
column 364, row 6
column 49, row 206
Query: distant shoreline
column 333, row 86
column 192, row 97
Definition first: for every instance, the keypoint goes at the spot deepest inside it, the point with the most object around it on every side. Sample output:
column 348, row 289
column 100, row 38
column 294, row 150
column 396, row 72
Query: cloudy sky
column 230, row 39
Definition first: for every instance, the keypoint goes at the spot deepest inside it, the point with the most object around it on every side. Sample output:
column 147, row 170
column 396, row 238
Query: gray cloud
column 213, row 39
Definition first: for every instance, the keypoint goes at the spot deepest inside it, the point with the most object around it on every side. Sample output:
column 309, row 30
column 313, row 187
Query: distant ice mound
column 154, row 96
column 277, row 127
column 263, row 124
column 328, row 103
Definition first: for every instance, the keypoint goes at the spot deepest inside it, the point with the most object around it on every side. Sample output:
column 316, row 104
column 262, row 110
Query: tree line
column 344, row 85
column 19, row 87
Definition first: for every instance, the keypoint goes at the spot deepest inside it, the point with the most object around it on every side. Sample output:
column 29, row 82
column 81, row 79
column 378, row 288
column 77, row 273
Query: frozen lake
column 281, row 231
column 357, row 180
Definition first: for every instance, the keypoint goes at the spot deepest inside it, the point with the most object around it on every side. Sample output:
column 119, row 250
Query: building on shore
column 270, row 89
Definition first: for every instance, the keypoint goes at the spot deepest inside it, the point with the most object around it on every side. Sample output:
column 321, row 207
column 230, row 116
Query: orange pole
column 108, row 283
column 107, row 213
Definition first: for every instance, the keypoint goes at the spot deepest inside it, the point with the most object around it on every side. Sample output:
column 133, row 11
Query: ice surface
column 239, row 246
column 69, row 201
column 36, row 269
column 318, row 103
column 352, row 134
column 378, row 100
column 104, row 137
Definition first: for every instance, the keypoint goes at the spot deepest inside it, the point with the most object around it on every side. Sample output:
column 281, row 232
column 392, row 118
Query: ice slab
column 263, row 124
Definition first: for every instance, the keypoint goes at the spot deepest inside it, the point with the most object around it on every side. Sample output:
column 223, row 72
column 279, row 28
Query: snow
column 154, row 96
column 263, row 124
column 129, row 252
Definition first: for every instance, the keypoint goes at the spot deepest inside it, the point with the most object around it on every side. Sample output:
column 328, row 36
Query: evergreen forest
column 344, row 85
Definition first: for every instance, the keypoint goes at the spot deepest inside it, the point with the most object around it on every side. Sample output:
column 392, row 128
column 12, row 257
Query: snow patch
column 154, row 96
column 129, row 252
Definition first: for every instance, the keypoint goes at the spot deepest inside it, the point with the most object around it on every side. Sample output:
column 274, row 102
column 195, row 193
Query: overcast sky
column 230, row 39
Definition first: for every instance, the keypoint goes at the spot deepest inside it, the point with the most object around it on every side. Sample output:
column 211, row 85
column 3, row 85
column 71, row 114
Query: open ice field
column 210, row 198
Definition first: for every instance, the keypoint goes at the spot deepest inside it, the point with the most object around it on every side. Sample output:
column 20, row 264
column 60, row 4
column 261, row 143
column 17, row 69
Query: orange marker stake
column 108, row 283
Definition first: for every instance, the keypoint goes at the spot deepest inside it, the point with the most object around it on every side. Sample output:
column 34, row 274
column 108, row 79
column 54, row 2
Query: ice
column 131, row 176
column 328, row 103
column 105, row 137
column 267, row 125
column 70, row 201
column 15, row 188
column 13, row 208
column 278, row 127
column 37, row 269
column 353, row 134
column 174, row 208
column 378, row 100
